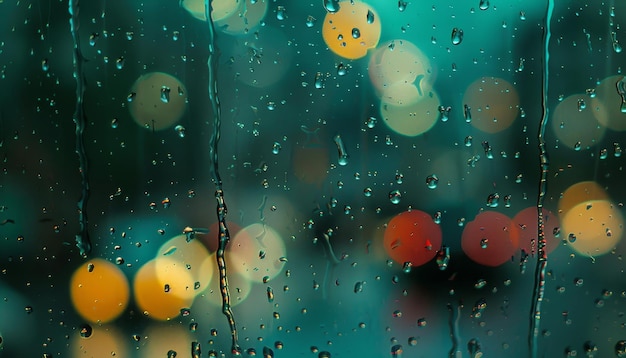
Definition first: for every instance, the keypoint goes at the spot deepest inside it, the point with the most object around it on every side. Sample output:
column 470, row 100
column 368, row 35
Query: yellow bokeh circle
column 580, row 192
column 161, row 289
column 157, row 101
column 189, row 256
column 159, row 339
column 104, row 342
column 399, row 62
column 99, row 291
column 575, row 124
column 353, row 30
column 594, row 227
column 257, row 252
column 416, row 118
column 493, row 102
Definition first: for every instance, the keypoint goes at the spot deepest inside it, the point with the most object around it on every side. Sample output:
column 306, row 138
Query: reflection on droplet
column 457, row 36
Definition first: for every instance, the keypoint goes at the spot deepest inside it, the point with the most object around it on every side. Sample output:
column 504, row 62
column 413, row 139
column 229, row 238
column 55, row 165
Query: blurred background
column 380, row 164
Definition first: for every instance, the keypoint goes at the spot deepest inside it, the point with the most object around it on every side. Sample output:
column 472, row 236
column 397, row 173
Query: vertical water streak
column 82, row 238
column 542, row 256
column 453, row 323
column 224, row 235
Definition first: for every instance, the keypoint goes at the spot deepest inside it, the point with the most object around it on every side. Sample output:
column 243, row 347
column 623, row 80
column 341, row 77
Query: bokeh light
column 99, row 291
column 413, row 119
column 103, row 342
column 160, row 339
column 491, row 239
column 257, row 252
column 593, row 227
column 245, row 20
column 607, row 104
column 400, row 62
column 574, row 125
column 157, row 101
column 412, row 236
column 161, row 289
column 189, row 255
column 221, row 9
column 494, row 104
column 527, row 219
column 580, row 192
column 239, row 286
column 353, row 30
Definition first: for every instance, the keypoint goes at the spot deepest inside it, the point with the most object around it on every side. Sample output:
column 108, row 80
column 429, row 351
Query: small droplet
column 180, row 130
column 119, row 63
column 432, row 181
column 165, row 94
column 86, row 331
column 457, row 36
column 395, row 196
column 356, row 33
column 310, row 21
column 276, row 147
column 45, row 66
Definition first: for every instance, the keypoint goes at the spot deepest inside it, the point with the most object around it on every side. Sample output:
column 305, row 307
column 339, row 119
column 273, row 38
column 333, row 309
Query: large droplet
column 331, row 6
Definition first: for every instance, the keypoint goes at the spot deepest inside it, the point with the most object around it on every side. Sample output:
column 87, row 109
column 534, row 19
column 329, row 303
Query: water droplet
column 396, row 351
column 395, row 196
column 407, row 266
column 402, row 5
column 165, row 94
column 367, row 192
column 45, row 66
column 443, row 258
column 493, row 200
column 483, row 5
column 356, row 33
column 341, row 149
column 358, row 286
column 323, row 354
column 432, row 181
column 473, row 346
column 171, row 354
column 319, row 80
column 119, row 63
column 310, row 21
column 421, row 322
column 371, row 122
column 467, row 113
column 281, row 13
column 370, row 17
column 484, row 242
column 457, row 36
column 180, row 130
column 522, row 15
column 92, row 39
column 270, row 295
column 331, row 6
column 131, row 96
column 276, row 148
column 480, row 284
column 86, row 331
column 620, row 348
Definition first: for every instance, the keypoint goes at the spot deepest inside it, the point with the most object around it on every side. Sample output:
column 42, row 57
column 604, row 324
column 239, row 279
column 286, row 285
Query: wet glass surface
column 401, row 179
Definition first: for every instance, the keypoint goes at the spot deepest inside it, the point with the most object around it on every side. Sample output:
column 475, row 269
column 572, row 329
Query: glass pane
column 315, row 178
